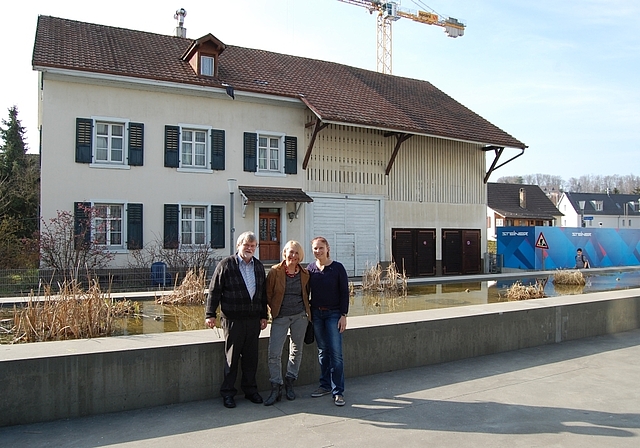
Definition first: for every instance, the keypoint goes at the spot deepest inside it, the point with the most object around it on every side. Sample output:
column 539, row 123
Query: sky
column 561, row 76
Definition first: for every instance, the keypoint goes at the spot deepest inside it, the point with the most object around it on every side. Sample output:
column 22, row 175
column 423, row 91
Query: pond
column 155, row 318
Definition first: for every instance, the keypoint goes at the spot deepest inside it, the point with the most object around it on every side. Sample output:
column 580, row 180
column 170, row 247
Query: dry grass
column 390, row 282
column 189, row 292
column 72, row 314
column 518, row 291
column 568, row 277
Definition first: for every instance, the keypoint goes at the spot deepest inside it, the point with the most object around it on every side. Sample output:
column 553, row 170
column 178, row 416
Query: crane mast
column 389, row 12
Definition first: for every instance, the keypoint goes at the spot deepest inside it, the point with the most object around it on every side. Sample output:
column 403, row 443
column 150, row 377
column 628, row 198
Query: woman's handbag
column 309, row 337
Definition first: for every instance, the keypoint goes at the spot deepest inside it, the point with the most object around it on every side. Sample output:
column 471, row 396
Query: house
column 517, row 205
column 615, row 211
column 188, row 142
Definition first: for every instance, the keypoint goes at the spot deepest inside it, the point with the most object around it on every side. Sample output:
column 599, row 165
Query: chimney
column 180, row 14
column 523, row 198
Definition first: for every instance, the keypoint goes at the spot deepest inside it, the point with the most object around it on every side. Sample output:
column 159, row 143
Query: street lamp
column 581, row 204
column 233, row 184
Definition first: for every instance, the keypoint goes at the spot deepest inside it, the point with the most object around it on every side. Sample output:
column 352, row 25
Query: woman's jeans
column 297, row 324
column 329, row 341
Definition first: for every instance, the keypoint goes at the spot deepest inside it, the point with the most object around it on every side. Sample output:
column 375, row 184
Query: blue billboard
column 543, row 248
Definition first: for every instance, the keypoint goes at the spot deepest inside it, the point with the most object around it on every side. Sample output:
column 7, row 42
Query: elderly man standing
column 238, row 286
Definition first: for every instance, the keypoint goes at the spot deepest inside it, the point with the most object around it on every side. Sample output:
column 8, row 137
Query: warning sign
column 541, row 243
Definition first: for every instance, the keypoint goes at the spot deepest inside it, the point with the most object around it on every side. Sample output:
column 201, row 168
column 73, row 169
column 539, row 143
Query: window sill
column 270, row 174
column 109, row 166
column 195, row 170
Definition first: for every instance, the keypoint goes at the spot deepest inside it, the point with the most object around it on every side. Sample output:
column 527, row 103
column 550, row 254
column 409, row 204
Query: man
column 238, row 285
column 581, row 260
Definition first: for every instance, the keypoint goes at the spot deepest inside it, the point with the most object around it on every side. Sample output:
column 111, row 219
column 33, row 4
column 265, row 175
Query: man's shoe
column 254, row 398
column 320, row 392
column 229, row 402
column 338, row 400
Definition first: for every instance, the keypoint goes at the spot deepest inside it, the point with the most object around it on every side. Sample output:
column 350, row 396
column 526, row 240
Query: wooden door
column 269, row 234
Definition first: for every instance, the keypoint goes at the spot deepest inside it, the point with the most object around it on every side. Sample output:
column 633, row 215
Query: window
column 499, row 222
column 597, row 205
column 270, row 153
column 192, row 147
column 193, row 225
column 206, row 65
column 109, row 142
column 107, row 224
column 114, row 226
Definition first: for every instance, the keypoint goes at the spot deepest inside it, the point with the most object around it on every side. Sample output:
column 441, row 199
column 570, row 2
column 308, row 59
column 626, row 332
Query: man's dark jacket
column 227, row 289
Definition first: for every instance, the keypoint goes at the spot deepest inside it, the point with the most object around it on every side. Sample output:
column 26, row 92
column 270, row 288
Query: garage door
column 352, row 227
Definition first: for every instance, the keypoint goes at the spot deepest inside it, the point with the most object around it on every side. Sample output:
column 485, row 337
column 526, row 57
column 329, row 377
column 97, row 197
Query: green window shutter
column 217, row 149
column 171, row 146
column 291, row 155
column 84, row 139
column 250, row 152
column 81, row 225
column 217, row 227
column 171, row 216
column 134, row 226
column 136, row 144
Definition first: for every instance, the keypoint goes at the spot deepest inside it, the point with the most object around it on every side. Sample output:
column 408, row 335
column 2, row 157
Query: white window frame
column 208, row 59
column 116, row 248
column 206, row 168
column 95, row 163
column 207, row 225
column 270, row 136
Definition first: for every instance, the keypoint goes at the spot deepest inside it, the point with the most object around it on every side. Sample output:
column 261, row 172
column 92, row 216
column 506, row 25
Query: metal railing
column 26, row 282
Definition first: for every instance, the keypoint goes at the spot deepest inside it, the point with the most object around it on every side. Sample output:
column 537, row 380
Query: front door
column 269, row 234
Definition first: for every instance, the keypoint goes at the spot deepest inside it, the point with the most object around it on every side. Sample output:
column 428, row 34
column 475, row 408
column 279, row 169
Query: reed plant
column 189, row 292
column 518, row 291
column 74, row 313
column 390, row 281
column 569, row 277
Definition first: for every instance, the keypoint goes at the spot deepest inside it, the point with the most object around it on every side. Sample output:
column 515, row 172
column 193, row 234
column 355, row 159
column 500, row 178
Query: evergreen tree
column 13, row 151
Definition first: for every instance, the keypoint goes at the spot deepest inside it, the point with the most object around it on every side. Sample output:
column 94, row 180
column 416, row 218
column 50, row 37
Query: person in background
column 329, row 308
column 288, row 300
column 581, row 260
column 238, row 285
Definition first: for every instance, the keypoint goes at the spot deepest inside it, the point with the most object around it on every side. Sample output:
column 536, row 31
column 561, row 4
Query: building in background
column 614, row 211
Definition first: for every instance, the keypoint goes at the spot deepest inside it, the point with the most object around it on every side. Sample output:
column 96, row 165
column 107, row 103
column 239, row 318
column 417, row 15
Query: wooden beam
column 319, row 126
column 401, row 138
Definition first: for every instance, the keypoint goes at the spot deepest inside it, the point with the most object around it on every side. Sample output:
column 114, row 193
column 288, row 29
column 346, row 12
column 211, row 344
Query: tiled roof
column 612, row 204
column 505, row 199
column 334, row 92
column 274, row 194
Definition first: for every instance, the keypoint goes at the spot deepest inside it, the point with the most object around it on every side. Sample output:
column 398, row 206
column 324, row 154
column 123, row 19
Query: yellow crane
column 389, row 12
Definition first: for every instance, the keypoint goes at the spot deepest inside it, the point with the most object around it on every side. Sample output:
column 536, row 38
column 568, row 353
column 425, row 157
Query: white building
column 617, row 211
column 149, row 128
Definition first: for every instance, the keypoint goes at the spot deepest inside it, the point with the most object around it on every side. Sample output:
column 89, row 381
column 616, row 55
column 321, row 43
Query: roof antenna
column 180, row 14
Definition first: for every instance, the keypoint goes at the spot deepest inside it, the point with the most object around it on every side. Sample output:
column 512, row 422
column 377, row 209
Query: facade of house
column 518, row 205
column 613, row 211
column 146, row 130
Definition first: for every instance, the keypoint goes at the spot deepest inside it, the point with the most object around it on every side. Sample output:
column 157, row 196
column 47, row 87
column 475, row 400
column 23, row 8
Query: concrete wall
column 54, row 380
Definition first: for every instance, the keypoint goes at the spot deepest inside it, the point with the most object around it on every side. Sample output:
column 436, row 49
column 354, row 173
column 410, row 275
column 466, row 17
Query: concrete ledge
column 54, row 380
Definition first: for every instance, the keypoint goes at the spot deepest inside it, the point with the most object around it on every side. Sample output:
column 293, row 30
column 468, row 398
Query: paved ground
column 575, row 394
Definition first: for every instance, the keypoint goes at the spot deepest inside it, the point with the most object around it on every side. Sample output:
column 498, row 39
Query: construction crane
column 389, row 12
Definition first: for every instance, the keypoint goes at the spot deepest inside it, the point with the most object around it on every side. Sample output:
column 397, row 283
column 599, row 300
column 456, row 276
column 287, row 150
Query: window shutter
column 134, row 226
column 171, row 146
column 171, row 216
column 81, row 225
column 291, row 155
column 250, row 152
column 84, row 139
column 136, row 144
column 217, row 227
column 217, row 149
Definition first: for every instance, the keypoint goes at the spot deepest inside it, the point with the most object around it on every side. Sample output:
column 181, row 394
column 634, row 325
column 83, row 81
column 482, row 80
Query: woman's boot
column 276, row 394
column 288, row 387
